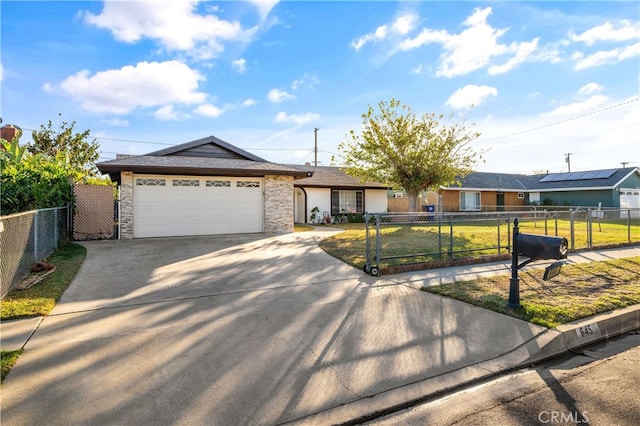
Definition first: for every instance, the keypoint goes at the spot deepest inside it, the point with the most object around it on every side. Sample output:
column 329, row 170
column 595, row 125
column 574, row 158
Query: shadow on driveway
column 235, row 330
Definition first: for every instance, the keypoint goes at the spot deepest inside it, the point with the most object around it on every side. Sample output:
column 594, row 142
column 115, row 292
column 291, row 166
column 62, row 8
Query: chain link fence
column 26, row 238
column 401, row 242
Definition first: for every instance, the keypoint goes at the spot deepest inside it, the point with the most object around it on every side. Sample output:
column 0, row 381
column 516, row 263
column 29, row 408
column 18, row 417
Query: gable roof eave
column 627, row 176
column 204, row 141
column 172, row 165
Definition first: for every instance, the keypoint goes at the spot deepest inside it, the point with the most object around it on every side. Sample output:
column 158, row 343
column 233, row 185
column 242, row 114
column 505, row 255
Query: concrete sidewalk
column 266, row 330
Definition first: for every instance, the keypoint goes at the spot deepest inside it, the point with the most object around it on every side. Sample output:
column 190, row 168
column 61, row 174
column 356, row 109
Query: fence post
column 572, row 230
column 546, row 218
column 508, row 234
column 55, row 228
column 440, row 237
column 589, row 229
column 367, row 217
column 629, row 225
column 499, row 220
column 451, row 237
column 378, row 242
column 35, row 236
column 556, row 219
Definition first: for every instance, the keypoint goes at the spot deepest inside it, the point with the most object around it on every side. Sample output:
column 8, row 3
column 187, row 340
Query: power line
column 577, row 117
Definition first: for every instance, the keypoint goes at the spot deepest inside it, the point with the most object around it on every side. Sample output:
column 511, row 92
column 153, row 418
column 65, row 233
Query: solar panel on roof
column 604, row 174
column 548, row 178
column 593, row 174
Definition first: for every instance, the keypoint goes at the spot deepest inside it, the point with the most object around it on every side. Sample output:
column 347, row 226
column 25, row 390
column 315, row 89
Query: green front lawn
column 429, row 244
column 41, row 298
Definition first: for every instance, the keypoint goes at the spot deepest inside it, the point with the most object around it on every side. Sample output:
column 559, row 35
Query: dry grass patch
column 580, row 291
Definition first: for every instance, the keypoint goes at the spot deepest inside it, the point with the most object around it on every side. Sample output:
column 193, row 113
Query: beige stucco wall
column 376, row 201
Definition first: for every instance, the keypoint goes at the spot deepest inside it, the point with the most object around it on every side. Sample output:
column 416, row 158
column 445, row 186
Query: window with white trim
column 347, row 201
column 150, row 182
column 469, row 201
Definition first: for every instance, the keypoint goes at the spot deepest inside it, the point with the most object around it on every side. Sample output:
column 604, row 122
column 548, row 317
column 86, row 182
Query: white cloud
column 470, row 95
column 276, row 96
column 522, row 52
column 240, row 65
column 624, row 31
column 401, row 26
column 115, row 122
column 147, row 84
column 264, row 7
column 418, row 70
column 166, row 113
column 590, row 88
column 473, row 48
column 603, row 57
column 175, row 25
column 249, row 102
column 576, row 108
column 209, row 110
column 307, row 80
column 283, row 117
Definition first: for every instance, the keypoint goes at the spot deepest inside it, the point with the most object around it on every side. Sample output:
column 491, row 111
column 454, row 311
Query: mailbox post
column 535, row 247
column 514, row 282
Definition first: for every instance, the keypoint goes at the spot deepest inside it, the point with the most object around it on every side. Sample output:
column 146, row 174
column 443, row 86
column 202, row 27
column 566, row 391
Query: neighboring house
column 333, row 191
column 202, row 187
column 499, row 191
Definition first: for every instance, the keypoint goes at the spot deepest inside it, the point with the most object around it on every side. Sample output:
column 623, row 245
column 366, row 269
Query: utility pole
column 567, row 159
column 315, row 149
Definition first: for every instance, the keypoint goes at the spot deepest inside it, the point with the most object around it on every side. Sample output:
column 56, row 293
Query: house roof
column 176, row 165
column 209, row 156
column 570, row 181
column 205, row 147
column 334, row 177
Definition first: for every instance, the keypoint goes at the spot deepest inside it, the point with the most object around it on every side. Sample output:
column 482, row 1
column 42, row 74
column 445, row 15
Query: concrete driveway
column 231, row 330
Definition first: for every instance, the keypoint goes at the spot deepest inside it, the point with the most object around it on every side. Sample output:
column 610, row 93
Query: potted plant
column 314, row 214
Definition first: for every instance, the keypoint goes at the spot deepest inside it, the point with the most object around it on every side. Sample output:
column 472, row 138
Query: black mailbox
column 541, row 246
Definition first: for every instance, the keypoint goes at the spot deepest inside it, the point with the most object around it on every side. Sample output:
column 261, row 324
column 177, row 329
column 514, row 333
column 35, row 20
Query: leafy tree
column 405, row 151
column 11, row 150
column 33, row 183
column 78, row 152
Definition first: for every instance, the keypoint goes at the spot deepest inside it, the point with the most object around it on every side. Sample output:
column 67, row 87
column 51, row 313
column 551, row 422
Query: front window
column 346, row 201
column 469, row 201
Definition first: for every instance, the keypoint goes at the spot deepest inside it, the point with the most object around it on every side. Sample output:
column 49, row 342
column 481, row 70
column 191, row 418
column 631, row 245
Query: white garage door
column 630, row 199
column 166, row 206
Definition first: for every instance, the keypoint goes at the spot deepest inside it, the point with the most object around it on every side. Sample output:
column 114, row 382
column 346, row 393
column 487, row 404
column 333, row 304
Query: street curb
column 548, row 344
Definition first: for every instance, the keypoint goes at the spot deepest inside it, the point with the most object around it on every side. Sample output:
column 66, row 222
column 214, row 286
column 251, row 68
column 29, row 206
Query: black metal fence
column 26, row 238
column 409, row 241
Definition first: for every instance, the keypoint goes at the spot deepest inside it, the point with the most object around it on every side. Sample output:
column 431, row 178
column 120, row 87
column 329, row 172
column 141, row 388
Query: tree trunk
column 413, row 202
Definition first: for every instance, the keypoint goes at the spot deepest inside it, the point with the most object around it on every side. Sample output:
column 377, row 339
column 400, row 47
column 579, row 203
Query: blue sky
column 545, row 78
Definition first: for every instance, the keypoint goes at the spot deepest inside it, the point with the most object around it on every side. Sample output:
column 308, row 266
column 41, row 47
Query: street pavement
column 597, row 385
column 251, row 330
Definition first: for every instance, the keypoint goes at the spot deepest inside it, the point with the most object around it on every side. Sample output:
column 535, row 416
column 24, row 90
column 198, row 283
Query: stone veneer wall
column 278, row 204
column 126, row 205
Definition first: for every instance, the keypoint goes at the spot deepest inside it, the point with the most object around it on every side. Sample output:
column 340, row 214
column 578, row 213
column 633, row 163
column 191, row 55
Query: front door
column 500, row 202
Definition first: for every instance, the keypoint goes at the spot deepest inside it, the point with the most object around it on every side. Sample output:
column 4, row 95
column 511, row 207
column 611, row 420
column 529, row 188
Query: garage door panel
column 630, row 199
column 175, row 206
